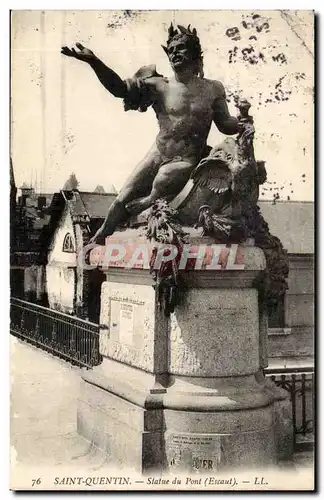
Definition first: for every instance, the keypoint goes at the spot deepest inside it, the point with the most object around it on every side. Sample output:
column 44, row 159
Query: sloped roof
column 292, row 222
column 97, row 204
column 82, row 203
column 75, row 203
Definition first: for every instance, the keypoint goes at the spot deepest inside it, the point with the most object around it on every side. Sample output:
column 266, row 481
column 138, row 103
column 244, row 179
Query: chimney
column 41, row 202
column 26, row 192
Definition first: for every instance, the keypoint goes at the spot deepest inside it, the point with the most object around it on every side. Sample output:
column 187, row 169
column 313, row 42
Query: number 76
column 36, row 481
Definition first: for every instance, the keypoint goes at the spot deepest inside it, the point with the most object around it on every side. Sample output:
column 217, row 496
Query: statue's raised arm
column 109, row 79
column 185, row 104
column 222, row 118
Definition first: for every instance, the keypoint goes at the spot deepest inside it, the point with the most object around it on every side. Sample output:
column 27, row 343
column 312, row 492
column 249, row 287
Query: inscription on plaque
column 126, row 323
column 193, row 452
column 126, row 327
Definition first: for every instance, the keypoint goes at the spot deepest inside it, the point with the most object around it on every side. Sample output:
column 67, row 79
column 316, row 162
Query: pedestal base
column 284, row 432
column 181, row 393
column 187, row 426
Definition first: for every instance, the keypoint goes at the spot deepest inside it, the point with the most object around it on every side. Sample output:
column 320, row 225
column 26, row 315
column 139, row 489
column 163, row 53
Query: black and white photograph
column 162, row 250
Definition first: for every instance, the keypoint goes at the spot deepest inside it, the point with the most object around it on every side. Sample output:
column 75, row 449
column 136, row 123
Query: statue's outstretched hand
column 83, row 54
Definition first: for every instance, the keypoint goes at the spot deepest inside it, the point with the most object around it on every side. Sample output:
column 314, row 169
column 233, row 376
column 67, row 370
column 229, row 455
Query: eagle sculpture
column 224, row 187
column 221, row 197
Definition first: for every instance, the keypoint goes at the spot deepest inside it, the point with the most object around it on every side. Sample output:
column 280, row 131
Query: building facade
column 291, row 325
column 29, row 219
column 75, row 216
column 47, row 270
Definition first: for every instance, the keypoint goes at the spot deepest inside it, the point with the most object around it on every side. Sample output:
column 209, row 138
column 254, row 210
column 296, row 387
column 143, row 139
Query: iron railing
column 77, row 341
column 65, row 336
column 300, row 384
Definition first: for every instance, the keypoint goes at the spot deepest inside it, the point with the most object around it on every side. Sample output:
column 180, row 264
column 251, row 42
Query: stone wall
column 34, row 283
column 296, row 339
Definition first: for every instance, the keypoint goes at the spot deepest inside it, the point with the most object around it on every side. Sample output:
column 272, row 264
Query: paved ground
column 44, row 391
column 44, row 394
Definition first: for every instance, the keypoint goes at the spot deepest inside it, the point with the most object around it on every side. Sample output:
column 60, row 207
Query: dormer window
column 68, row 245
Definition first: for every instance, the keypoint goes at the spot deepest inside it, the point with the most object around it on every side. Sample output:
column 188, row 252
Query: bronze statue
column 182, row 181
column 185, row 106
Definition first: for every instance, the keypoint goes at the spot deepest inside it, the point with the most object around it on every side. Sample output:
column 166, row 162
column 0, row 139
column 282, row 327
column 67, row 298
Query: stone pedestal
column 181, row 394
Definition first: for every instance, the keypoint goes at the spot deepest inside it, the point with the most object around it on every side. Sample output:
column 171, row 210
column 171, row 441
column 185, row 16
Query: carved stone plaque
column 122, row 319
column 195, row 453
column 126, row 323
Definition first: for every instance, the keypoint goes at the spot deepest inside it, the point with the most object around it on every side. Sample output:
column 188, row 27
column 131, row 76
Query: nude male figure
column 185, row 106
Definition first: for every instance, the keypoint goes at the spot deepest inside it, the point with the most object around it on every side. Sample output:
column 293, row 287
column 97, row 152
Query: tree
column 71, row 183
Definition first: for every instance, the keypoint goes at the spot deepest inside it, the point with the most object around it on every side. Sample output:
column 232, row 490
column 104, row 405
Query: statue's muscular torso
column 185, row 112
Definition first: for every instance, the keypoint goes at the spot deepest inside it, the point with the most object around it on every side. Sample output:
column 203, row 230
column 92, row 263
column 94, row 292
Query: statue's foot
column 99, row 238
column 135, row 207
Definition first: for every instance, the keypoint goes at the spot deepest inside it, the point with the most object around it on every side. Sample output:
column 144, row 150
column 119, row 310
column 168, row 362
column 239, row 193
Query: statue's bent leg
column 117, row 214
column 169, row 181
column 138, row 184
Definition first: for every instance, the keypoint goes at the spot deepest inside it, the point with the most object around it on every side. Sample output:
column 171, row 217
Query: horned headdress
column 190, row 38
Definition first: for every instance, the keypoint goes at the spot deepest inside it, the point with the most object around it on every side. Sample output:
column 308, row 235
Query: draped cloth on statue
column 139, row 95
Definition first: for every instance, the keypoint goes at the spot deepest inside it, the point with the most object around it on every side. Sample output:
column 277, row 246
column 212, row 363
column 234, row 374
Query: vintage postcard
column 162, row 250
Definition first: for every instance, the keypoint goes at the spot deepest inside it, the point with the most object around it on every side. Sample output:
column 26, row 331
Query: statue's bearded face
column 179, row 54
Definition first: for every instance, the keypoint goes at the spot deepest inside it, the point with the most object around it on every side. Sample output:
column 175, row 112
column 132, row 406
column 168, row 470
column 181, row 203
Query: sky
column 63, row 120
